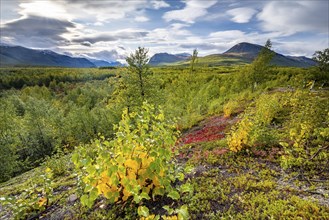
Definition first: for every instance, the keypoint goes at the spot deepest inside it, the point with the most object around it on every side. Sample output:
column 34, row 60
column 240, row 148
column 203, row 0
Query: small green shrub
column 215, row 106
column 231, row 108
column 257, row 124
column 135, row 166
column 307, row 147
column 60, row 164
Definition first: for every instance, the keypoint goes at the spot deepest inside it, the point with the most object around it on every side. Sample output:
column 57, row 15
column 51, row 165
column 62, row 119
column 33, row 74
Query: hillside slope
column 21, row 56
column 166, row 58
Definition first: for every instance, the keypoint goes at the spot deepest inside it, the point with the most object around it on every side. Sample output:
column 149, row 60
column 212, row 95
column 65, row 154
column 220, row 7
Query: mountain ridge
column 241, row 53
column 22, row 56
column 13, row 55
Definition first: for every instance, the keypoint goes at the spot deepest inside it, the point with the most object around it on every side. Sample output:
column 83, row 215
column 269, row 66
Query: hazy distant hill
column 303, row 59
column 165, row 58
column 21, row 56
column 103, row 63
column 241, row 53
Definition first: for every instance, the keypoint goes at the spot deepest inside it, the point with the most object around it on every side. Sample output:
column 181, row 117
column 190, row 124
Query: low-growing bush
column 59, row 163
column 298, row 121
column 307, row 129
column 135, row 166
column 231, row 107
column 256, row 127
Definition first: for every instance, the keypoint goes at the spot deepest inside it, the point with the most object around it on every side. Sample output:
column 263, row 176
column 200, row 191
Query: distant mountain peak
column 244, row 48
column 250, row 52
column 165, row 58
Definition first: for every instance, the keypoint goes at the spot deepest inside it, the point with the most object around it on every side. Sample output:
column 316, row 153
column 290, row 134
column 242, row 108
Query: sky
column 112, row 29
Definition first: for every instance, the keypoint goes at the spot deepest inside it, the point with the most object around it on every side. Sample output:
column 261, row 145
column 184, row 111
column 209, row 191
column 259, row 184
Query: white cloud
column 108, row 51
column 109, row 36
column 304, row 47
column 177, row 26
column 108, row 55
column 157, row 4
column 241, row 15
column 98, row 23
column 193, row 10
column 168, row 39
column 171, row 34
column 230, row 34
column 43, row 9
column 141, row 19
column 290, row 17
column 223, row 40
column 95, row 11
column 108, row 10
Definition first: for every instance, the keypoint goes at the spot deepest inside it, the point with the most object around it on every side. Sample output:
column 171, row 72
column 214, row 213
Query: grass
column 216, row 60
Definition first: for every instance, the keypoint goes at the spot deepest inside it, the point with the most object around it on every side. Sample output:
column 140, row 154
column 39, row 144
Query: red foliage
column 210, row 131
column 205, row 134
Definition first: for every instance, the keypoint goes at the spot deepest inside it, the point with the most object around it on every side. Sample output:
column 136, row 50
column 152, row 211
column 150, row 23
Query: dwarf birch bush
column 138, row 164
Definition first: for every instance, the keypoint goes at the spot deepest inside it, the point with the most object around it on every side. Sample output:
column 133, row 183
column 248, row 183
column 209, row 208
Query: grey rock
column 72, row 198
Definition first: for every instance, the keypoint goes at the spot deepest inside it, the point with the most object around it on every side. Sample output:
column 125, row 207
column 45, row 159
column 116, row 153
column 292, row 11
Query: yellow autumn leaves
column 42, row 201
column 135, row 170
column 134, row 166
column 105, row 185
column 239, row 138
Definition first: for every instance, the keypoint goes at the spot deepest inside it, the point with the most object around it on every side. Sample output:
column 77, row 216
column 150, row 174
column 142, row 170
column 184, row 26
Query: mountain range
column 21, row 56
column 241, row 53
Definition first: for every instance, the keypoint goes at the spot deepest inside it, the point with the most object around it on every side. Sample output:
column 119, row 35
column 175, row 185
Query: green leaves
column 174, row 195
column 183, row 213
column 140, row 163
column 255, row 126
column 85, row 200
column 186, row 188
column 307, row 140
column 143, row 211
column 168, row 209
